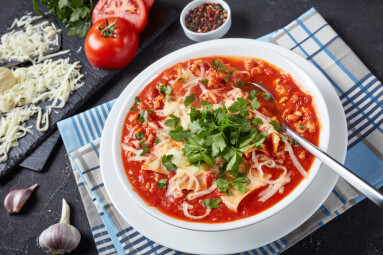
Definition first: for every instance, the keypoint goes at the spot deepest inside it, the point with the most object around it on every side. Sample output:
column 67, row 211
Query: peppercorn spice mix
column 205, row 18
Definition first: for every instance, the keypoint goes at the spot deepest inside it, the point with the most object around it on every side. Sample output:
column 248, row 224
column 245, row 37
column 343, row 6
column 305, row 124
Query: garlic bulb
column 61, row 237
column 16, row 199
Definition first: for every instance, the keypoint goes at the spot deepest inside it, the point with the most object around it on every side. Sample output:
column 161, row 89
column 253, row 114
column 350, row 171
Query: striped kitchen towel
column 309, row 36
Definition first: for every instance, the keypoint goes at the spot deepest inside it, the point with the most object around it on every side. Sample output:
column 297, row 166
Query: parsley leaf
column 133, row 108
column 239, row 187
column 162, row 183
column 302, row 126
column 166, row 89
column 256, row 121
column 140, row 135
column 239, row 106
column 206, row 104
column 267, row 97
column 167, row 162
column 137, row 100
column 221, row 184
column 76, row 14
column 217, row 64
column 292, row 141
column 239, row 84
column 143, row 117
column 172, row 121
column 275, row 125
column 180, row 79
column 206, row 81
column 253, row 94
column 145, row 149
column 214, row 203
column 254, row 103
column 189, row 100
column 178, row 134
column 226, row 78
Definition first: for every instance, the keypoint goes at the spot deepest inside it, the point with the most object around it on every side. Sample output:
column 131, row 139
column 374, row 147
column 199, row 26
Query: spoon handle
column 368, row 190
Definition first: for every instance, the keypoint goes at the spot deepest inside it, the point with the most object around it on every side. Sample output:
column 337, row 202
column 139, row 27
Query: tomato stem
column 108, row 30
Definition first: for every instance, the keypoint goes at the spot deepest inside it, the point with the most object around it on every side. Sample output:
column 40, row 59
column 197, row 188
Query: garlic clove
column 60, row 238
column 16, row 199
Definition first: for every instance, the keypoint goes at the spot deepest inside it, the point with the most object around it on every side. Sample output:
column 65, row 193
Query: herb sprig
column 76, row 14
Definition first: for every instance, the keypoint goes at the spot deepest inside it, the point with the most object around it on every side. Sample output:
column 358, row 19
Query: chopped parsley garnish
column 237, row 183
column 156, row 141
column 180, row 79
column 255, row 103
column 143, row 117
column 226, row 78
column 133, row 108
column 276, row 126
column 210, row 204
column 142, row 140
column 137, row 100
column 140, row 135
column 253, row 94
column 167, row 90
column 260, row 83
column 230, row 73
column 167, row 162
column 206, row 104
column 217, row 64
column 267, row 97
column 302, row 126
column 292, row 141
column 294, row 87
column 189, row 100
column 162, row 183
column 173, row 121
column 144, row 149
column 206, row 81
column 215, row 132
column 179, row 134
column 256, row 121
column 239, row 106
column 239, row 84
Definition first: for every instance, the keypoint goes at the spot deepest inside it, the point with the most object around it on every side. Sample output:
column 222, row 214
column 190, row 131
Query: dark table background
column 357, row 231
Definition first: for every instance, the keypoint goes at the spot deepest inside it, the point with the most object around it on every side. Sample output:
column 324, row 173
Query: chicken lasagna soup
column 201, row 142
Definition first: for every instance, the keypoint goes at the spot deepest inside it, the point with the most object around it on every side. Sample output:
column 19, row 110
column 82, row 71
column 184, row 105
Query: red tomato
column 148, row 4
column 132, row 10
column 112, row 52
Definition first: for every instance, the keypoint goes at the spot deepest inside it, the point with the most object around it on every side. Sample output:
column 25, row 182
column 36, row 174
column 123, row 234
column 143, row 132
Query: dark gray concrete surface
column 357, row 231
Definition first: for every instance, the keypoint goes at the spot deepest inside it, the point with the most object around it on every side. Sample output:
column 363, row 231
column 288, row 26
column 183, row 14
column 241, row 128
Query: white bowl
column 215, row 34
column 222, row 47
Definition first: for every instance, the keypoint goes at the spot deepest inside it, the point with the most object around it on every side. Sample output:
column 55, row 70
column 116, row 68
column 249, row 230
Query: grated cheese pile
column 53, row 81
column 29, row 42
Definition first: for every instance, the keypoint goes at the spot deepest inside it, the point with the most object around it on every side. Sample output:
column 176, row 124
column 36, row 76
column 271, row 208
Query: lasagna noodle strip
column 236, row 197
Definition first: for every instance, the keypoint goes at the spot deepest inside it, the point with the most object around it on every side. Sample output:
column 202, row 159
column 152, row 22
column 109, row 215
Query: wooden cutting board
column 160, row 17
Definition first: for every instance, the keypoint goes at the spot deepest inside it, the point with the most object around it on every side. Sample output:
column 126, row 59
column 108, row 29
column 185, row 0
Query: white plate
column 246, row 238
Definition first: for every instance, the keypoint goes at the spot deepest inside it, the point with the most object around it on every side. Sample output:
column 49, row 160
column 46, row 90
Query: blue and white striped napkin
column 311, row 37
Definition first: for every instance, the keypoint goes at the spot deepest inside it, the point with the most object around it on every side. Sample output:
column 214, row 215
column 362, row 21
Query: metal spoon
column 368, row 190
